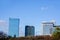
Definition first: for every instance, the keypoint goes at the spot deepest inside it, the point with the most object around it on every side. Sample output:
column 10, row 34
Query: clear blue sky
column 30, row 12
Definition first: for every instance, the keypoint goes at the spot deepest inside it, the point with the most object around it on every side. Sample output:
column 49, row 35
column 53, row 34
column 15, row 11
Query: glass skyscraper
column 29, row 30
column 14, row 27
column 47, row 28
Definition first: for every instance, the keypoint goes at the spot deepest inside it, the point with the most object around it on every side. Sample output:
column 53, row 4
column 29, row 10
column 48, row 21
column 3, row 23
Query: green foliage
column 14, row 36
column 56, row 34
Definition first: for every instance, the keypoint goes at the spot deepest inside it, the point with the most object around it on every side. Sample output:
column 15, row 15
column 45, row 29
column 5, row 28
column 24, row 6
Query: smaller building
column 56, row 26
column 29, row 30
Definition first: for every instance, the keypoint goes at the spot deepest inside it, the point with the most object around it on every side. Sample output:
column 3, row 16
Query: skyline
column 5, row 28
column 30, row 12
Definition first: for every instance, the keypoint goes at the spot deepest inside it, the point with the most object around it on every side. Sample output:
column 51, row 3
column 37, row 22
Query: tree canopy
column 56, row 34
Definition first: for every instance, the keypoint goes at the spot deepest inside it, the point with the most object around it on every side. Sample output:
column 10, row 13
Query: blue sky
column 30, row 12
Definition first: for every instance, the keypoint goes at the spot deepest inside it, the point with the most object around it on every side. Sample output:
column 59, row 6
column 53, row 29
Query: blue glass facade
column 13, row 27
column 29, row 31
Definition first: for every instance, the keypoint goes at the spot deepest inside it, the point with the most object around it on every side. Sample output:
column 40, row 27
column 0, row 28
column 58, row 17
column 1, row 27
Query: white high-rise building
column 47, row 28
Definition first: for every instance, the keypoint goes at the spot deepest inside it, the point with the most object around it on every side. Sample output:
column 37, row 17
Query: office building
column 47, row 28
column 14, row 27
column 29, row 30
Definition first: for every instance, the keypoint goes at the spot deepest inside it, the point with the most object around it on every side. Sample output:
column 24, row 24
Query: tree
column 3, row 36
column 14, row 36
column 56, row 34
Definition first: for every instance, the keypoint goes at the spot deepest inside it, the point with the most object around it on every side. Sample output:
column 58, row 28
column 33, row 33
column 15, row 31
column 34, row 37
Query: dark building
column 29, row 30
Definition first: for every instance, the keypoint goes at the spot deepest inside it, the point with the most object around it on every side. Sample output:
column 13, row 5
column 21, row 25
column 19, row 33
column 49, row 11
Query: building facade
column 29, row 30
column 14, row 27
column 47, row 28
